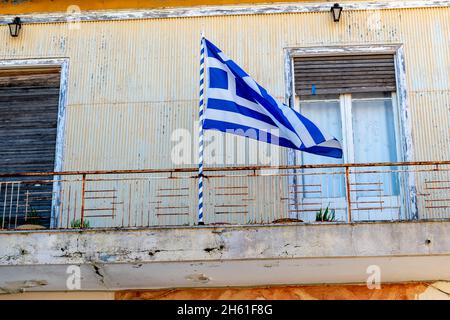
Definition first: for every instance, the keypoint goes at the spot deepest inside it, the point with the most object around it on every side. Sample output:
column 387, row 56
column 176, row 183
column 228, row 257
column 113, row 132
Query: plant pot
column 30, row 227
column 287, row 220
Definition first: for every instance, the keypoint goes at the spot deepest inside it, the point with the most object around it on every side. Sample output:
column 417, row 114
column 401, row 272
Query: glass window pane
column 374, row 140
column 327, row 115
column 374, row 130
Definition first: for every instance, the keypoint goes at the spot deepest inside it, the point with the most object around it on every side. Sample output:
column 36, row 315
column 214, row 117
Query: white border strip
column 211, row 11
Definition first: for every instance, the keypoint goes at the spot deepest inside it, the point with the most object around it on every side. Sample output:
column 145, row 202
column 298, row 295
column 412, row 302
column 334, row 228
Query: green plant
column 326, row 215
column 76, row 224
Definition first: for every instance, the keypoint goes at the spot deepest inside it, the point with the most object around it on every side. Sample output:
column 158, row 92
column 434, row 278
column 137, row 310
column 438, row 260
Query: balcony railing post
column 349, row 199
column 83, row 191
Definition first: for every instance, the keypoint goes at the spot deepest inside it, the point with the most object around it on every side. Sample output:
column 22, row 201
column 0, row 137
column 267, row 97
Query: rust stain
column 400, row 291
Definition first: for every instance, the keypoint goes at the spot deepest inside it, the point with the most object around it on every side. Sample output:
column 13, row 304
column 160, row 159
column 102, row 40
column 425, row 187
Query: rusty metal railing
column 233, row 195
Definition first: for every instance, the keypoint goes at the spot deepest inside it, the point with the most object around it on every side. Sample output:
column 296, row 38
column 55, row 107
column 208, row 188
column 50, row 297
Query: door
column 29, row 100
column 367, row 126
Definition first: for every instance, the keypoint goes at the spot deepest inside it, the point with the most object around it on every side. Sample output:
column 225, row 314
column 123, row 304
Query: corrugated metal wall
column 132, row 83
column 140, row 77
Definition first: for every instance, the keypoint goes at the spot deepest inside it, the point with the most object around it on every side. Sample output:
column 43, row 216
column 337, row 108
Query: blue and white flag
column 235, row 103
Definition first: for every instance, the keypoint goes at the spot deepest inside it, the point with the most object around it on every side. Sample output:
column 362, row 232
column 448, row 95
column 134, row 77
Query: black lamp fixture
column 336, row 12
column 14, row 27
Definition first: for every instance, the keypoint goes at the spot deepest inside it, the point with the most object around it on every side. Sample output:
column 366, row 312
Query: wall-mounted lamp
column 336, row 12
column 14, row 27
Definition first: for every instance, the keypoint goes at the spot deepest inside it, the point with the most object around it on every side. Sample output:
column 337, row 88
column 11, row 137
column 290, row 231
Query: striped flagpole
column 200, row 131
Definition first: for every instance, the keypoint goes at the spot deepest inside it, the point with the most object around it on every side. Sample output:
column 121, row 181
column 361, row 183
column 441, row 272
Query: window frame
column 405, row 151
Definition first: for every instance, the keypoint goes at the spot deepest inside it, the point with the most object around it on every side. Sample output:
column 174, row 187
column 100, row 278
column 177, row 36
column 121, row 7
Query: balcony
column 320, row 194
column 139, row 228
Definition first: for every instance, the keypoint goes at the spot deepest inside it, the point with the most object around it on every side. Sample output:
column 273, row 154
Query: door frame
column 63, row 64
column 408, row 202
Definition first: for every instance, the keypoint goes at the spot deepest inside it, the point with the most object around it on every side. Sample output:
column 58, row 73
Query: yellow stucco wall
column 400, row 291
column 27, row 6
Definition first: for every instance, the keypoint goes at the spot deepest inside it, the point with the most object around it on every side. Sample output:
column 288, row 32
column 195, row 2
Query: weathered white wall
column 231, row 256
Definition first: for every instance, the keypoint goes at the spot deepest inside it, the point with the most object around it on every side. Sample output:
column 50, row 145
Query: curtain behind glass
column 374, row 141
column 327, row 115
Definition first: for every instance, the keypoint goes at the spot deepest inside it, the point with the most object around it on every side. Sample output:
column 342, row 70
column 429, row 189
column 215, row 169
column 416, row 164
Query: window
column 354, row 98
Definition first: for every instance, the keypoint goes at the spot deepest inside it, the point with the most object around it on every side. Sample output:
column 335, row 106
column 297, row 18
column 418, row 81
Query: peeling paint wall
column 140, row 77
column 201, row 257
column 26, row 6
column 210, row 243
column 402, row 291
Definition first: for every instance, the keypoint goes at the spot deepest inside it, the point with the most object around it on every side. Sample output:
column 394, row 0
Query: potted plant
column 76, row 224
column 327, row 215
column 31, row 221
column 287, row 220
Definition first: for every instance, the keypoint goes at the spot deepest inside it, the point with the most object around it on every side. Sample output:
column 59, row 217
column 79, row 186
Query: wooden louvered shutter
column 344, row 74
column 28, row 119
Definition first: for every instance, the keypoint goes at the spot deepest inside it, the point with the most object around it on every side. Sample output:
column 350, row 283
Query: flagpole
column 200, row 130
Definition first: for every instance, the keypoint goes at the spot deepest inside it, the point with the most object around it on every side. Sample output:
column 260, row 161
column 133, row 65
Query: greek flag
column 236, row 104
